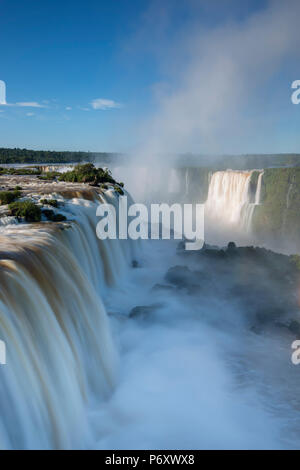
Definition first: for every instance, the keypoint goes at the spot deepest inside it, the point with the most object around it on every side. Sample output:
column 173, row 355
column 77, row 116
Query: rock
column 180, row 276
column 294, row 327
column 142, row 311
column 212, row 253
column 231, row 247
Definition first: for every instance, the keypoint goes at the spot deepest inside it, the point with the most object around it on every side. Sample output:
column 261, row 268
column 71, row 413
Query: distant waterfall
column 60, row 354
column 258, row 189
column 250, row 207
column 229, row 199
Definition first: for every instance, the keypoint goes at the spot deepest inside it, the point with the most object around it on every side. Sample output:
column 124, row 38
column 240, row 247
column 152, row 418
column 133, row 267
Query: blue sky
column 96, row 75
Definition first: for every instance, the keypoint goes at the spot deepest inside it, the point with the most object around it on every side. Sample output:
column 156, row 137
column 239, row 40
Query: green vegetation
column 49, row 213
column 253, row 184
column 254, row 178
column 6, row 197
column 295, row 260
column 49, row 202
column 239, row 162
column 263, row 283
column 20, row 171
column 27, row 209
column 59, row 218
column 82, row 173
column 198, row 182
column 279, row 216
column 18, row 188
column 87, row 173
column 49, row 175
column 41, row 156
column 119, row 190
column 251, row 162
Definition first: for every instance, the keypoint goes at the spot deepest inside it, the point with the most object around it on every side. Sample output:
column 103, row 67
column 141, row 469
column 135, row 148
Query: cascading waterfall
column 229, row 199
column 186, row 181
column 258, row 189
column 250, row 207
column 60, row 355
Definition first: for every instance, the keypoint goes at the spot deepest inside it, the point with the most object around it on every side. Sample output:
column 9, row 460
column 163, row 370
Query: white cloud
column 2, row 92
column 104, row 104
column 68, row 108
column 29, row 114
column 30, row 104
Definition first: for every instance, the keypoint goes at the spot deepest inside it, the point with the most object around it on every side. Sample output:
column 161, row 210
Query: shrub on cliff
column 27, row 209
column 119, row 190
column 49, row 202
column 59, row 218
column 6, row 197
column 295, row 260
column 20, row 171
column 49, row 213
column 49, row 175
column 278, row 216
column 87, row 173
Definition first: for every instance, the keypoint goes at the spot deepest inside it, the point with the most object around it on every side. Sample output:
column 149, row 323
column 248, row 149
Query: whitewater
column 83, row 372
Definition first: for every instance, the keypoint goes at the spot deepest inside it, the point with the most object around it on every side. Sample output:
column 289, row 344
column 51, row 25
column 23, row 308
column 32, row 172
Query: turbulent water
column 82, row 372
column 193, row 375
column 60, row 354
column 229, row 199
column 229, row 202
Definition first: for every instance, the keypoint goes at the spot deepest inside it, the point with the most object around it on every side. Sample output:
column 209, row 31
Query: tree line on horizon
column 17, row 155
column 241, row 162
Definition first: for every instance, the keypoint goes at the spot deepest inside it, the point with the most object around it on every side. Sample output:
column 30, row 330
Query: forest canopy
column 17, row 155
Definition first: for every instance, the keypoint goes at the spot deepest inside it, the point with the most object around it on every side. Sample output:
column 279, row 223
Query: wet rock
column 213, row 254
column 143, row 311
column 231, row 248
column 294, row 327
column 268, row 314
column 180, row 276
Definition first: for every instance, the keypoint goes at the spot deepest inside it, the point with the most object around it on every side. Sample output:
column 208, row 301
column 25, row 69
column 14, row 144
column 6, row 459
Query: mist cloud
column 216, row 103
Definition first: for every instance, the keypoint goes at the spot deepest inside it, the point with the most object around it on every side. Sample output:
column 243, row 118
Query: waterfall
column 60, row 353
column 258, row 189
column 174, row 181
column 250, row 206
column 229, row 199
column 186, row 182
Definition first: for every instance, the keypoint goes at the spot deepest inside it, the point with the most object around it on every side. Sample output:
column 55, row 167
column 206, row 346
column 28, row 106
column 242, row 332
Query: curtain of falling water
column 60, row 354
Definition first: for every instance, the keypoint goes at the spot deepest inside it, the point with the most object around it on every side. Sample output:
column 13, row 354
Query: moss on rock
column 49, row 202
column 50, row 215
column 278, row 216
column 6, row 197
column 27, row 209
